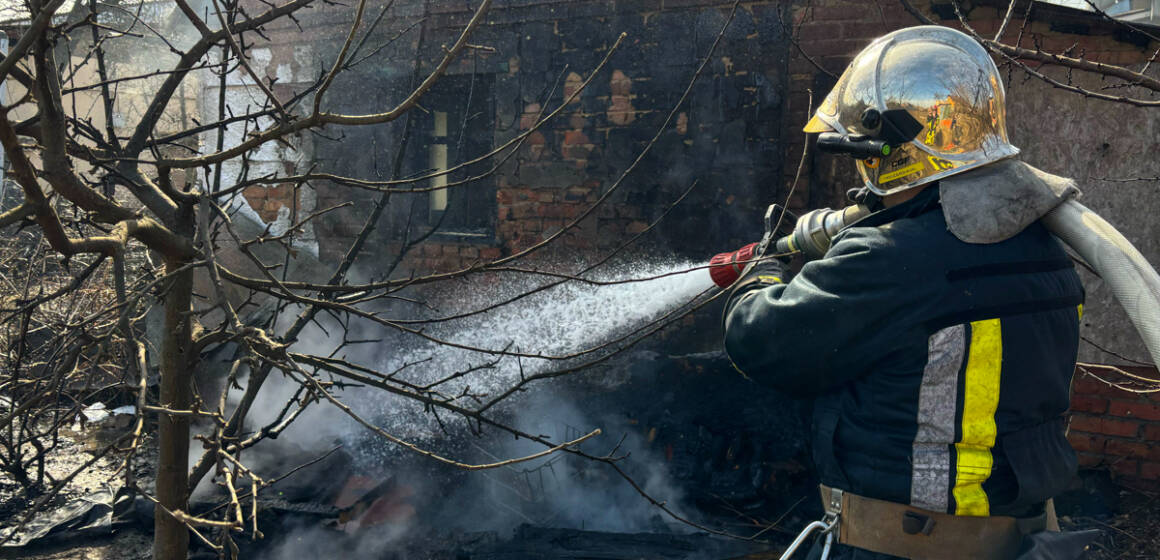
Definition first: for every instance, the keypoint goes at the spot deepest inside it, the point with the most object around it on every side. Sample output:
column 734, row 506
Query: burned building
column 569, row 133
column 682, row 103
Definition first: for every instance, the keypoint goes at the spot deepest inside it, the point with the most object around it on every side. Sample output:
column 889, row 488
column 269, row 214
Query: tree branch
column 320, row 119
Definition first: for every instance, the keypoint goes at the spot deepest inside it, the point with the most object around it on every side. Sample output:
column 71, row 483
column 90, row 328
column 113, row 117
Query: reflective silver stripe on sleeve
column 930, row 481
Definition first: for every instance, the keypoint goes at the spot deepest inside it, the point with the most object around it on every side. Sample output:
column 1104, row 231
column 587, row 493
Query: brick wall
column 1115, row 428
column 727, row 135
column 738, row 135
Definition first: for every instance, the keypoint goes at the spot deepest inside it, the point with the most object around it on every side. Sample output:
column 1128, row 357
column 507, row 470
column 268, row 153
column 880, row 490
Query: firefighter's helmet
column 935, row 91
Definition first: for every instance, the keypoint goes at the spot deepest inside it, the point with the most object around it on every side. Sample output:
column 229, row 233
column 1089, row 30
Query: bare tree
column 136, row 258
column 1019, row 55
column 134, row 255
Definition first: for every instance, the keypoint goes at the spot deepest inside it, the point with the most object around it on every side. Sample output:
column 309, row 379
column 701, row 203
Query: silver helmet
column 945, row 81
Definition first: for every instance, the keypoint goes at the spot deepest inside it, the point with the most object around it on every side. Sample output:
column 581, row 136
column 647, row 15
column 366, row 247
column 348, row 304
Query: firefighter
column 940, row 369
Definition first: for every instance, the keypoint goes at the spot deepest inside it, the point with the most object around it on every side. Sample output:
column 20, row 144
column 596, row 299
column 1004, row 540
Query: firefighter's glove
column 766, row 247
column 764, row 271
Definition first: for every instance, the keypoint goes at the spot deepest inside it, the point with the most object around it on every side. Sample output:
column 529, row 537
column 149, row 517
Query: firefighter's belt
column 901, row 530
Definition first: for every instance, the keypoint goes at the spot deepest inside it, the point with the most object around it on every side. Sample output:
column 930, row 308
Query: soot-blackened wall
column 726, row 136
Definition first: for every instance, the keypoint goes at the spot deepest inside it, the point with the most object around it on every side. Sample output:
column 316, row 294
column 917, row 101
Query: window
column 456, row 125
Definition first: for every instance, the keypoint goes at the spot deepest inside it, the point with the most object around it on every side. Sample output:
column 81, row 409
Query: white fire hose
column 825, row 527
column 1134, row 282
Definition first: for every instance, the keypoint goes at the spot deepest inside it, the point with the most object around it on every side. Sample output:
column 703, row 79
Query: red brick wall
column 1115, row 428
column 626, row 97
column 726, row 135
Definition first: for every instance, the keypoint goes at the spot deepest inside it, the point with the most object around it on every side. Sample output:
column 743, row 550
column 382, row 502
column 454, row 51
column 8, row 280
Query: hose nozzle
column 726, row 268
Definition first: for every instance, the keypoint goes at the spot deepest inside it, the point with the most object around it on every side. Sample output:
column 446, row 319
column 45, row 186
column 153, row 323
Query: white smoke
column 560, row 490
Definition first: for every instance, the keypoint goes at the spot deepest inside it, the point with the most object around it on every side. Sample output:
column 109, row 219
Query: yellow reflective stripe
column 980, row 401
column 899, row 173
column 1080, row 309
column 769, row 279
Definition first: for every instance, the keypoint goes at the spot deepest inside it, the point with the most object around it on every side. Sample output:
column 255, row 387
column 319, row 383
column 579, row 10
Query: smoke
column 304, row 539
column 559, row 490
column 573, row 492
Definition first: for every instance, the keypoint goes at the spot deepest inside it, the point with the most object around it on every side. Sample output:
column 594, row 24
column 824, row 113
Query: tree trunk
column 171, row 537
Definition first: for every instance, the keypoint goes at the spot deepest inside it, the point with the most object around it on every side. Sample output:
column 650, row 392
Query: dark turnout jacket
column 941, row 369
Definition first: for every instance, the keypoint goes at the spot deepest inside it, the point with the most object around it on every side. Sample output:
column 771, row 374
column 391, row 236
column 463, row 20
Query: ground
column 1129, row 535
column 1125, row 517
column 76, row 447
column 125, row 545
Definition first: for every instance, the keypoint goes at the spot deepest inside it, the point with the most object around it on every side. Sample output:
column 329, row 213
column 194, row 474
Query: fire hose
column 1133, row 281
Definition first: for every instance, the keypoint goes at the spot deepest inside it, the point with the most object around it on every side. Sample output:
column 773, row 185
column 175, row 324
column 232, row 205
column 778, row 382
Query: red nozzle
column 726, row 268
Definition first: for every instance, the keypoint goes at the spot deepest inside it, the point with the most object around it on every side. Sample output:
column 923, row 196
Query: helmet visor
column 816, row 125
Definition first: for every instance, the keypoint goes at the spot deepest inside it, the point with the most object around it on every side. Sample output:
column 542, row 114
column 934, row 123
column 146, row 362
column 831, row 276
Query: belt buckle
column 833, row 507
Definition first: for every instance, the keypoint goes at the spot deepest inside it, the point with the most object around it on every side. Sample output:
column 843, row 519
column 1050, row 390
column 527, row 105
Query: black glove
column 772, row 215
column 764, row 270
column 863, row 196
